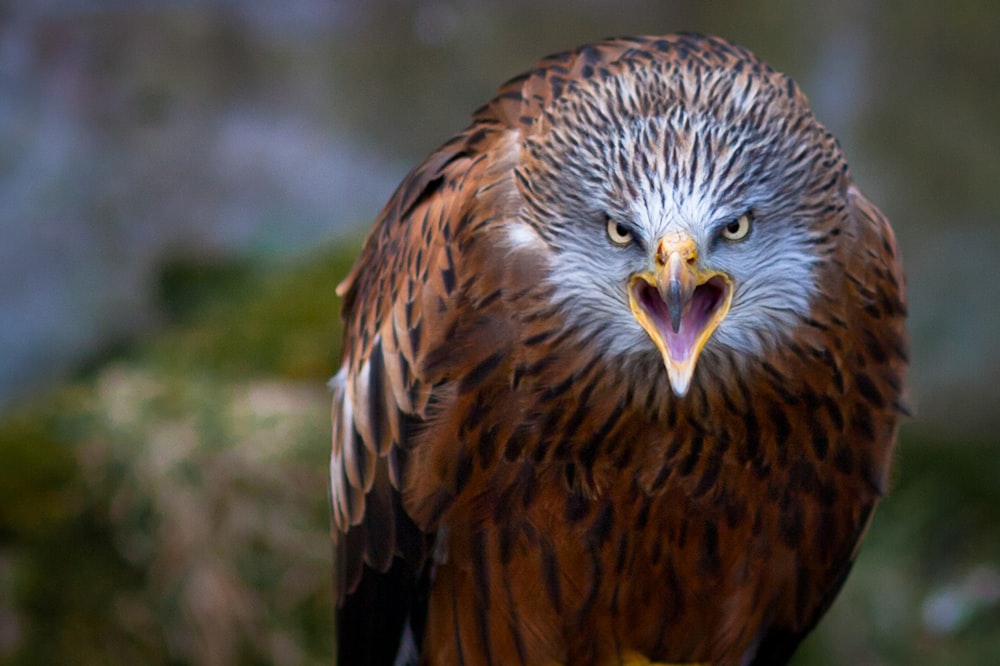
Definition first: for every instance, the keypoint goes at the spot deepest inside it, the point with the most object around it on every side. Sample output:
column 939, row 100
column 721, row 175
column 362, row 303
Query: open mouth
column 697, row 317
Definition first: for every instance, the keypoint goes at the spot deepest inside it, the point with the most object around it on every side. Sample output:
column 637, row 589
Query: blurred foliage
column 170, row 505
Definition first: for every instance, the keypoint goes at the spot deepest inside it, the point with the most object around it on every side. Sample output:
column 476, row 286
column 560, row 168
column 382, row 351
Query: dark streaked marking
column 596, row 578
column 828, row 533
column 672, row 414
column 875, row 348
column 516, row 444
column 539, row 338
column 709, row 560
column 490, row 298
column 869, row 472
column 866, row 387
column 817, row 436
column 753, row 436
column 735, row 512
column 553, row 392
column 758, row 521
column 415, row 339
column 642, row 517
column 515, row 380
column 657, row 552
column 477, row 137
column 487, row 445
column 803, row 477
column 827, row 493
column 569, row 476
column 861, row 423
column 778, row 383
column 676, row 593
column 475, row 416
column 551, row 576
column 584, row 407
column 397, row 463
column 448, row 277
column 577, row 507
column 710, row 475
column 791, row 524
column 728, row 401
column 460, row 653
column 694, row 452
column 761, row 467
column 415, row 197
column 514, row 620
column 588, row 452
column 782, row 429
column 404, row 365
column 662, row 475
column 361, row 453
column 438, row 501
column 622, row 552
column 600, row 529
column 482, row 370
column 505, row 543
column 463, row 470
column 816, row 324
column 481, row 577
column 843, row 458
column 674, row 446
column 527, row 481
column 376, row 395
column 802, row 589
column 674, row 610
column 836, row 416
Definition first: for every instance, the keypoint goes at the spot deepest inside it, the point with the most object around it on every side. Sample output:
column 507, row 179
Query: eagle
column 622, row 370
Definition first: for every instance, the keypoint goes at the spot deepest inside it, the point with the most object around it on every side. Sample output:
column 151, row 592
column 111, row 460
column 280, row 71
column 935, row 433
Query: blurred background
column 183, row 182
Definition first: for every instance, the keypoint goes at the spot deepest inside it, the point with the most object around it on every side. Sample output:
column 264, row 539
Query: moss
column 283, row 320
column 169, row 505
column 35, row 489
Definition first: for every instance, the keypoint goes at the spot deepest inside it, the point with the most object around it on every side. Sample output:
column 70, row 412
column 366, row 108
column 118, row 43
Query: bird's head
column 684, row 205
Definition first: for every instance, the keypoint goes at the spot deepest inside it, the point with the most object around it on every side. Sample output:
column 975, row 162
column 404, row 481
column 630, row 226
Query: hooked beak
column 679, row 305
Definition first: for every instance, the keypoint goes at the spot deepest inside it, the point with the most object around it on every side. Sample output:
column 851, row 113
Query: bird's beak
column 680, row 305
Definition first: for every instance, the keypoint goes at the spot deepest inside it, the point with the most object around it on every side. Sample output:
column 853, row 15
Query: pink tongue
column 682, row 342
column 704, row 301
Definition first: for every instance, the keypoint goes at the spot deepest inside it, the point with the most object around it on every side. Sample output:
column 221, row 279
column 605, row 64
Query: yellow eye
column 738, row 228
column 619, row 233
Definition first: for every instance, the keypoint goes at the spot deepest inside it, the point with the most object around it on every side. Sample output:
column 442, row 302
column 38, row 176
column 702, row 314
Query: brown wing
column 423, row 309
column 400, row 300
column 868, row 274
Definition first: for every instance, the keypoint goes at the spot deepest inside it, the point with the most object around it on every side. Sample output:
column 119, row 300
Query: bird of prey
column 622, row 372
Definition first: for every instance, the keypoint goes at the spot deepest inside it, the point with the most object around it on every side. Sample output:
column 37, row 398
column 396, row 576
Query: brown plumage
column 622, row 370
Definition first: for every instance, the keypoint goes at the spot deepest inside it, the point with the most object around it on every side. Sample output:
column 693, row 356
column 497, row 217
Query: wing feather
column 401, row 301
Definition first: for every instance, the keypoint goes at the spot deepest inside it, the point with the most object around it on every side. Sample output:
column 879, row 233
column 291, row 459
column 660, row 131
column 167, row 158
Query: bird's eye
column 619, row 233
column 738, row 228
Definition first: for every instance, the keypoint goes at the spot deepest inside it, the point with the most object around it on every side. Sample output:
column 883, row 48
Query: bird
column 622, row 373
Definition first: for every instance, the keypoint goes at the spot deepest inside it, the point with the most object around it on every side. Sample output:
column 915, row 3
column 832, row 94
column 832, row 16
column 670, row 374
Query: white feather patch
column 521, row 235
